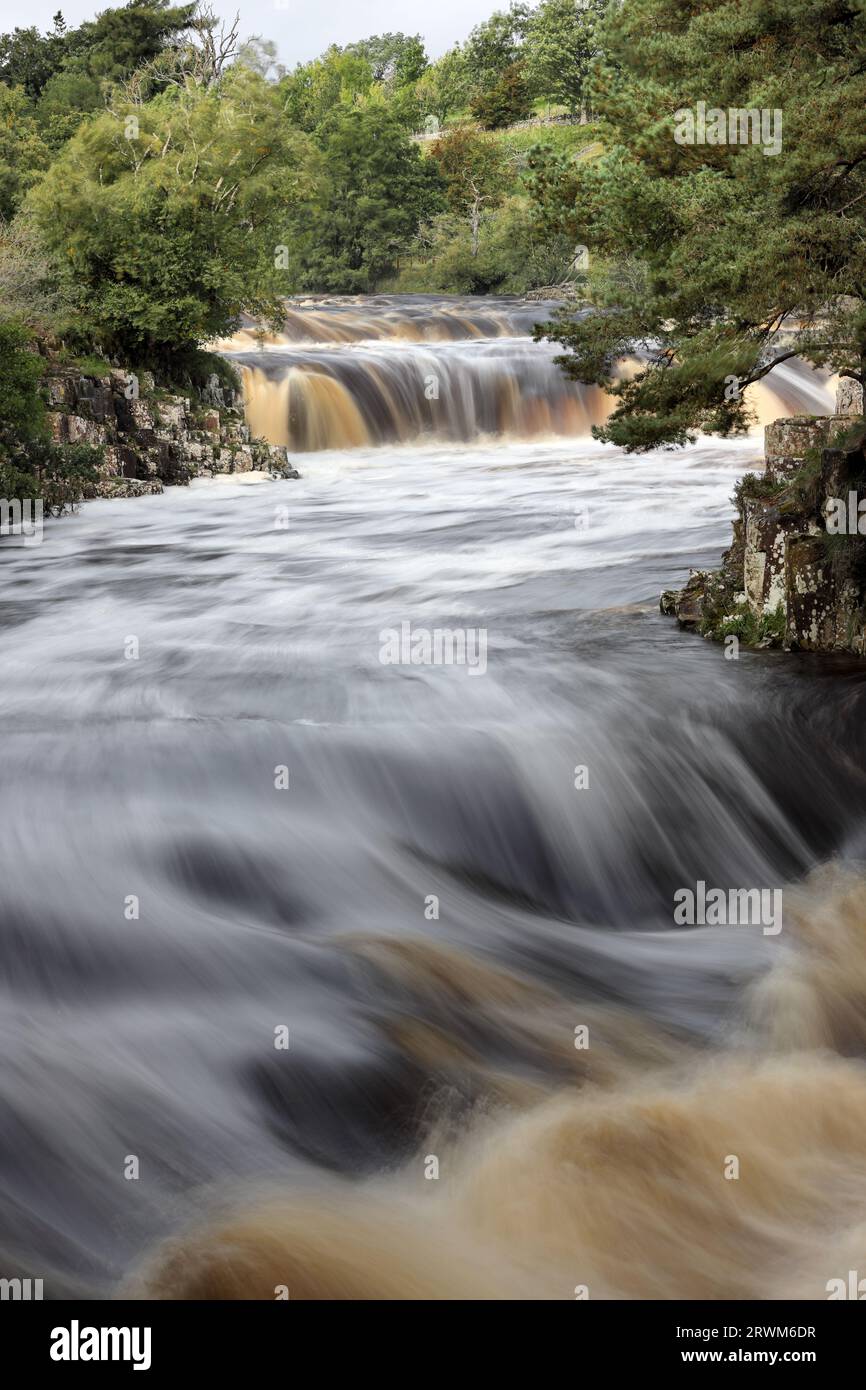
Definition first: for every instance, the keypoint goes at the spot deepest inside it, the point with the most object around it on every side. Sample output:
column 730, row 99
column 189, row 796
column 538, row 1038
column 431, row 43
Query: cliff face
column 795, row 574
column 151, row 437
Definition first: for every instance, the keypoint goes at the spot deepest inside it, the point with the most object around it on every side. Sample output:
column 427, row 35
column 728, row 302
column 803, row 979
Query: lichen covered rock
column 792, row 576
column 151, row 438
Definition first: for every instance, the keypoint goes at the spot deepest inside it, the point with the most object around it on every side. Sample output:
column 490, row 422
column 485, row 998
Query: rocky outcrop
column 795, row 574
column 150, row 437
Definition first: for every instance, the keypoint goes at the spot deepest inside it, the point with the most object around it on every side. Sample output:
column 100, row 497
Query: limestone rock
column 784, row 579
column 849, row 397
column 149, row 440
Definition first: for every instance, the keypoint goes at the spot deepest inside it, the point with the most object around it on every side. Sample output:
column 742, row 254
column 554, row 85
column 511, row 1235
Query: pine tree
column 721, row 260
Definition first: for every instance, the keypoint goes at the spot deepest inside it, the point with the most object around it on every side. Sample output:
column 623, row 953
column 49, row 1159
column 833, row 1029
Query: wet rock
column 125, row 487
column 693, row 605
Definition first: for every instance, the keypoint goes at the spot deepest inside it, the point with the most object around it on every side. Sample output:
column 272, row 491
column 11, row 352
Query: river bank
column 795, row 573
column 151, row 437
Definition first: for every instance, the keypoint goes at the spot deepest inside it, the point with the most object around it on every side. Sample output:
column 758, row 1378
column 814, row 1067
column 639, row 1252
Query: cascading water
column 425, row 880
column 349, row 373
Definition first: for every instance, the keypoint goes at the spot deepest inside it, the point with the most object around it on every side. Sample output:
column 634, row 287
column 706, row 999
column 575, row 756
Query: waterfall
column 349, row 373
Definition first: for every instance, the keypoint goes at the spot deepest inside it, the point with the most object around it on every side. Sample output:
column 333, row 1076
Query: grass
column 743, row 624
column 89, row 365
column 567, row 138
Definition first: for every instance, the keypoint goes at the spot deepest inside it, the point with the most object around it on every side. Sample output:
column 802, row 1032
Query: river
column 331, row 974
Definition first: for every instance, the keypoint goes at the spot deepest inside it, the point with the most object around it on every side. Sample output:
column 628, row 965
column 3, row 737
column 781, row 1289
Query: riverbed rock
column 124, row 487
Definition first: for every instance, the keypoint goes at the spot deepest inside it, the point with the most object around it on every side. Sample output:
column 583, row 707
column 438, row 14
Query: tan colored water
column 351, row 374
column 614, row 1178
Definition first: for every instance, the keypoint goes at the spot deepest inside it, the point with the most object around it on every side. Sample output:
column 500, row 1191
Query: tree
column 506, row 102
column 510, row 257
column 120, row 40
column 397, row 59
column 22, row 413
column 24, row 154
column 261, row 56
column 561, row 41
column 168, row 217
column 718, row 261
column 474, row 174
column 312, row 91
column 378, row 191
column 28, row 59
column 495, row 45
column 107, row 48
column 445, row 87
column 28, row 276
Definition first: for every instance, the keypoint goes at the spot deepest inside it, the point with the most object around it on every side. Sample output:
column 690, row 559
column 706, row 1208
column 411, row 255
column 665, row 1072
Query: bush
column 169, row 218
column 31, row 466
column 507, row 102
column 512, row 257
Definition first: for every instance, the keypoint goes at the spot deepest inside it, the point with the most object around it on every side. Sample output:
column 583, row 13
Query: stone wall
column 151, row 437
column 792, row 577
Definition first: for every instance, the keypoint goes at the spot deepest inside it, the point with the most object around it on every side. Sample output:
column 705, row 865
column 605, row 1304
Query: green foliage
column 397, row 59
column 30, row 465
column 21, row 410
column 59, row 474
column 24, row 152
column 494, row 46
column 314, row 90
column 28, row 59
column 445, row 86
column 377, row 190
column 507, row 101
column 561, row 42
column 198, row 368
column 168, row 217
column 471, row 166
column 756, row 487
column 768, row 630
column 28, row 276
column 382, row 70
column 568, row 140
column 510, row 257
column 719, row 258
column 108, row 47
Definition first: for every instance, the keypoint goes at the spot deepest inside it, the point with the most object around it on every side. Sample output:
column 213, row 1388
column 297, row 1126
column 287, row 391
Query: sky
column 302, row 29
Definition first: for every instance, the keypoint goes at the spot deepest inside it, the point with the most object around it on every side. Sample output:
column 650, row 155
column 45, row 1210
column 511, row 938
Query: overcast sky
column 301, row 28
